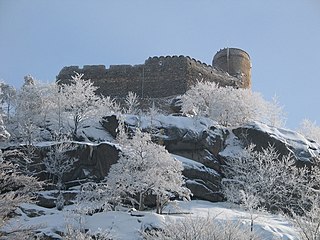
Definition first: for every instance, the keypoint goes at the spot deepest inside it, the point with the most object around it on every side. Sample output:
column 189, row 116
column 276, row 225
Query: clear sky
column 39, row 37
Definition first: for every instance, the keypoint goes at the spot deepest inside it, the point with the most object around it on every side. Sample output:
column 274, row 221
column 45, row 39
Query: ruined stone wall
column 158, row 77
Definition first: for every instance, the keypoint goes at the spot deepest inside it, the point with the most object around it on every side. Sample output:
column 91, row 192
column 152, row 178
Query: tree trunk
column 141, row 207
column 251, row 225
column 76, row 125
column 158, row 204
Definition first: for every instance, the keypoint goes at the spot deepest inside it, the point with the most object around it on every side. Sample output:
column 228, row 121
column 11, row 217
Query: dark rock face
column 93, row 162
column 49, row 199
column 200, row 191
column 261, row 139
column 110, row 123
column 194, row 145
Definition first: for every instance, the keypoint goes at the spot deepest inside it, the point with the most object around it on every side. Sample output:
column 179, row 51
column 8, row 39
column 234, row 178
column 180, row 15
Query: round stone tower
column 236, row 62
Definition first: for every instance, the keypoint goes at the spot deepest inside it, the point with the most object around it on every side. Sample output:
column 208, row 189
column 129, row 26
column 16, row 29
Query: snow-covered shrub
column 200, row 228
column 73, row 233
column 230, row 106
column 308, row 223
column 146, row 168
column 94, row 197
column 131, row 103
column 15, row 189
column 263, row 179
column 310, row 130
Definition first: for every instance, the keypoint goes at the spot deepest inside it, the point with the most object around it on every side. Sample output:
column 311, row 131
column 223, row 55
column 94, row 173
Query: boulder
column 285, row 141
column 200, row 191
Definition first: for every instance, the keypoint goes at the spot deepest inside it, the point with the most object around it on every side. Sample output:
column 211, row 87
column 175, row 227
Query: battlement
column 163, row 76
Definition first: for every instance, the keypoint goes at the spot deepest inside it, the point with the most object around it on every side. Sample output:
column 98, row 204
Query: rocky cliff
column 199, row 143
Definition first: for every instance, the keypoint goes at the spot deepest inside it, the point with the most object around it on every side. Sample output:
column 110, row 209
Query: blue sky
column 39, row 37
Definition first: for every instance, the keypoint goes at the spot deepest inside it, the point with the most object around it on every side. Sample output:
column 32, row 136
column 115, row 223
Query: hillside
column 199, row 143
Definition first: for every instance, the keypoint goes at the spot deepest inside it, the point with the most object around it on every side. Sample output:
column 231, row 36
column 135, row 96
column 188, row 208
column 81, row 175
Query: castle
column 166, row 76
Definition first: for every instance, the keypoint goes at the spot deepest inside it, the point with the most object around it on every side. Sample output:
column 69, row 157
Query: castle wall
column 158, row 77
column 198, row 71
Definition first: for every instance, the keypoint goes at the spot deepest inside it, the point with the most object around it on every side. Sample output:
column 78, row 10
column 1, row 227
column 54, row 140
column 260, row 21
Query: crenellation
column 163, row 76
column 94, row 68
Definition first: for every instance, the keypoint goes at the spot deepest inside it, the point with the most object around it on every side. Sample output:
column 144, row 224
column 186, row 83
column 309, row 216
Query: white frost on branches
column 58, row 162
column 264, row 180
column 31, row 110
column 8, row 99
column 310, row 130
column 131, row 103
column 201, row 228
column 230, row 106
column 147, row 168
column 80, row 103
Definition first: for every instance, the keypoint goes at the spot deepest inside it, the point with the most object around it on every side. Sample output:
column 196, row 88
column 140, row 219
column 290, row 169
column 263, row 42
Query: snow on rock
column 285, row 141
column 202, row 145
column 123, row 226
column 200, row 139
column 191, row 164
column 162, row 121
column 96, row 133
column 203, row 182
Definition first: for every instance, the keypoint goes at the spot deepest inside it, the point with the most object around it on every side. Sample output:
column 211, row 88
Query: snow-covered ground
column 127, row 225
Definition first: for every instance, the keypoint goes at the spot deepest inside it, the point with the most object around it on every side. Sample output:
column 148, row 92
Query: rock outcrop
column 204, row 142
column 199, row 143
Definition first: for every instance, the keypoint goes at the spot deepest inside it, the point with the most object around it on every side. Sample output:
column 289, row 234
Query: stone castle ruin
column 165, row 76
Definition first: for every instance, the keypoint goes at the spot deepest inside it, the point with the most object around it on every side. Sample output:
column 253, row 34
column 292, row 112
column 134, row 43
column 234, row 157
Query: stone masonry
column 163, row 76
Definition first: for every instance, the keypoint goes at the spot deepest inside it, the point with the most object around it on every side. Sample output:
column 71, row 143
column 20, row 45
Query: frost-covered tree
column 146, row 168
column 31, row 110
column 131, row 103
column 91, row 198
column 8, row 98
column 263, row 179
column 80, row 103
column 58, row 162
column 275, row 113
column 4, row 135
column 230, row 106
column 310, row 130
column 15, row 189
column 94, row 197
column 307, row 221
column 152, row 114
